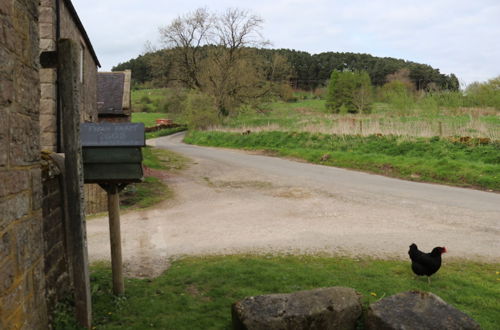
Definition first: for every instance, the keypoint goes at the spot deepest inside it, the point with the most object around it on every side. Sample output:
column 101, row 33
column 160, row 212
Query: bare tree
column 237, row 28
column 233, row 70
column 185, row 35
column 214, row 54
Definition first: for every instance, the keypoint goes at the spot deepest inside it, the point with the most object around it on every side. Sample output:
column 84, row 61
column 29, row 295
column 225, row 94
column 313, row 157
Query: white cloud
column 457, row 36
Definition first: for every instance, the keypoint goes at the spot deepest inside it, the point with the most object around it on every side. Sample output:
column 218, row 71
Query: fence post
column 115, row 238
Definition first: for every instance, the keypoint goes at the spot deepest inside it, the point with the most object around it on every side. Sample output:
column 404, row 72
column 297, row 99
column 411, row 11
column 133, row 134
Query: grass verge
column 467, row 164
column 196, row 293
column 145, row 194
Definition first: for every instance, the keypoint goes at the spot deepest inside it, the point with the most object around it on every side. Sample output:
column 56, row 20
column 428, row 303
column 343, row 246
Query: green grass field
column 197, row 293
column 310, row 116
column 148, row 100
column 148, row 118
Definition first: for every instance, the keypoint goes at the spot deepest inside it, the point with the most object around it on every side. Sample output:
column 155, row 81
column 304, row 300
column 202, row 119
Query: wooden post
column 115, row 238
column 440, row 127
column 69, row 87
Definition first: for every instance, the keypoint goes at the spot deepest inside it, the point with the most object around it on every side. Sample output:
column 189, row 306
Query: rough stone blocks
column 321, row 309
column 24, row 140
column 416, row 310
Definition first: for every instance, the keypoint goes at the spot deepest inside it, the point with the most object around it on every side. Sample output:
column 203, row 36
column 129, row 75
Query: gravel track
column 233, row 202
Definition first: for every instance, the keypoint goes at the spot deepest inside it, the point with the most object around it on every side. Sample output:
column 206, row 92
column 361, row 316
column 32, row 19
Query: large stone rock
column 416, row 310
column 325, row 308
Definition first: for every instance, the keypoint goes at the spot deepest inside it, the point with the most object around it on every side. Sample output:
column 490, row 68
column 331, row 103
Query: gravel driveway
column 233, row 202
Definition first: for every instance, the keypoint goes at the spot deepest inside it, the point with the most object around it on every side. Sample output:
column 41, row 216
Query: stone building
column 42, row 229
column 59, row 20
column 22, row 286
column 113, row 96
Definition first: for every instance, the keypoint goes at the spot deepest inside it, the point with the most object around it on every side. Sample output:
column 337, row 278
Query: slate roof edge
column 80, row 26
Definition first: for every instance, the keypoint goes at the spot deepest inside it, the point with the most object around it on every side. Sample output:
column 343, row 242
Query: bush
column 484, row 94
column 199, row 110
column 349, row 91
column 398, row 95
column 286, row 93
column 145, row 99
column 448, row 99
column 174, row 102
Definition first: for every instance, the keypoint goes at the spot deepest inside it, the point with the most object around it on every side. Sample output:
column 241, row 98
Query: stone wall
column 57, row 270
column 22, row 282
column 48, row 77
column 88, row 103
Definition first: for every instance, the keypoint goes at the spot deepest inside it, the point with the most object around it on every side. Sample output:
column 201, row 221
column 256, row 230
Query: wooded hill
column 309, row 71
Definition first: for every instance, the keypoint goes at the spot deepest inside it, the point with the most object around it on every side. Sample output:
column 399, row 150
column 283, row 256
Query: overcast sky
column 456, row 36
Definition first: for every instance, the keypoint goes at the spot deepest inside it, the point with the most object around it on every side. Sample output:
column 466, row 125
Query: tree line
column 308, row 72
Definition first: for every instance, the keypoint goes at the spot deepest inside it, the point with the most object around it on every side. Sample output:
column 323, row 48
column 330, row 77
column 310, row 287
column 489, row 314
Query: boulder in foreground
column 324, row 308
column 416, row 310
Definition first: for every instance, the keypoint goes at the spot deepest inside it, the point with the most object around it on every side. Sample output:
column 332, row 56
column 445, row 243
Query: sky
column 455, row 36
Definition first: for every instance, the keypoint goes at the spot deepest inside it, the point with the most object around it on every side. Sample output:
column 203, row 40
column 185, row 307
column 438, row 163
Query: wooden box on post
column 112, row 152
column 112, row 158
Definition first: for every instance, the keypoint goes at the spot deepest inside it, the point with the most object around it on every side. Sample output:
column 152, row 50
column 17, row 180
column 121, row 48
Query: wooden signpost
column 112, row 158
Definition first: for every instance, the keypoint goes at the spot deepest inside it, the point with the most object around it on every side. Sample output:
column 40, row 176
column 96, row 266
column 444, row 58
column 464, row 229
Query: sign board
column 112, row 152
column 112, row 135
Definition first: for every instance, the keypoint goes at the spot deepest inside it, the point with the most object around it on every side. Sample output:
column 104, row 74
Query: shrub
column 145, row 99
column 174, row 102
column 349, row 90
column 199, row 110
column 286, row 93
column 484, row 94
column 398, row 95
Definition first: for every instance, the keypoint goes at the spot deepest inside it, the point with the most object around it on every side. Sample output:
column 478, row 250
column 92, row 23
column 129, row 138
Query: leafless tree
column 215, row 54
column 185, row 35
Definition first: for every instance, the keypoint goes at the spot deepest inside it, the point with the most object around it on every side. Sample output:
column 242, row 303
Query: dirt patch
column 239, row 184
column 294, row 192
column 160, row 174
